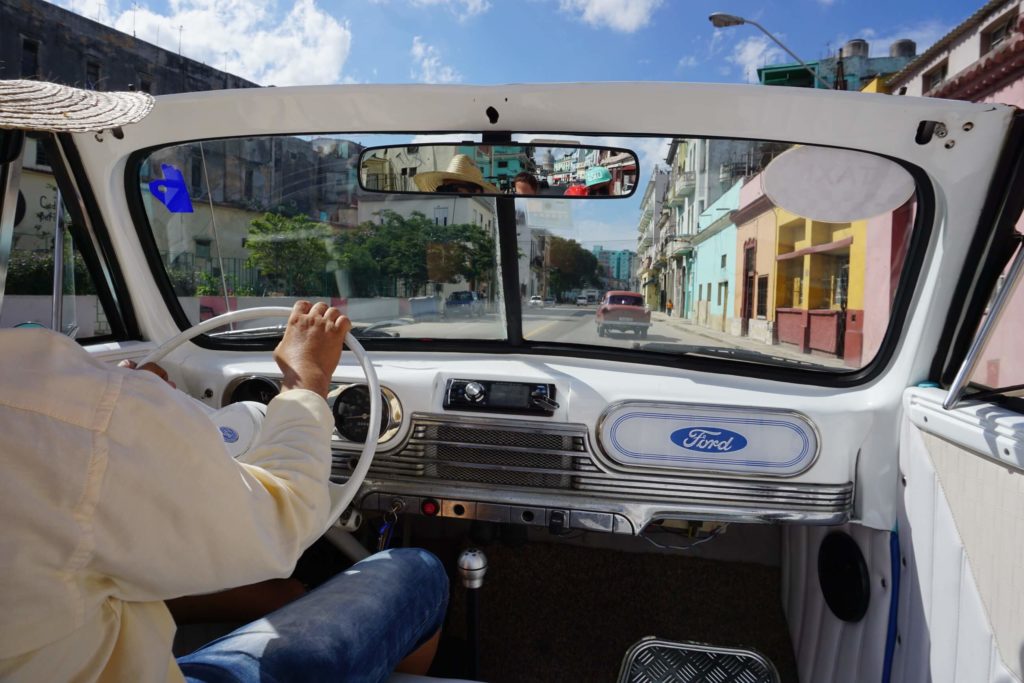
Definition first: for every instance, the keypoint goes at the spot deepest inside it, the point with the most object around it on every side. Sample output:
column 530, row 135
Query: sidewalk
column 727, row 340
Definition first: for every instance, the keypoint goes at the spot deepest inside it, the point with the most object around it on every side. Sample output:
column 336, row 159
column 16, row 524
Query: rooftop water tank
column 858, row 47
column 903, row 48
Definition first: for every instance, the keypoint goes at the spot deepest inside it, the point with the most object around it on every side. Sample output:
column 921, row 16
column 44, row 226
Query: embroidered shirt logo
column 708, row 440
column 229, row 434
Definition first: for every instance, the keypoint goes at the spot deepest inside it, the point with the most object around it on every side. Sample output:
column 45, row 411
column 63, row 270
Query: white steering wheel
column 341, row 494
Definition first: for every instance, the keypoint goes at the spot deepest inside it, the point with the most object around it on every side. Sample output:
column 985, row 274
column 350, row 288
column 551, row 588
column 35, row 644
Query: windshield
column 706, row 254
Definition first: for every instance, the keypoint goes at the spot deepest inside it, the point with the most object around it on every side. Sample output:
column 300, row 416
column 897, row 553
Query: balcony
column 684, row 185
column 679, row 245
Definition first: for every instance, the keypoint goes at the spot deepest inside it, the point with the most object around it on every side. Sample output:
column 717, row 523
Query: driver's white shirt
column 117, row 493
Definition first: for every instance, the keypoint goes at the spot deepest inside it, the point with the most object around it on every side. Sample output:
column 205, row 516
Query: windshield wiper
column 725, row 352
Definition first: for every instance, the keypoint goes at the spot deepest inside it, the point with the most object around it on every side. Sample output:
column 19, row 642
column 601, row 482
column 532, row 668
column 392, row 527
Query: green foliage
column 292, row 252
column 32, row 273
column 415, row 251
column 571, row 266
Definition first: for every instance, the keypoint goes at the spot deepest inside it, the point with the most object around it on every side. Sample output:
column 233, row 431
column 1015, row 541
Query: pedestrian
column 668, row 308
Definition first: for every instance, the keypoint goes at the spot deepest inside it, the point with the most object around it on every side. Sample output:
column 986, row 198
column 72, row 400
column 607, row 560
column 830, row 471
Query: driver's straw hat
column 460, row 169
column 597, row 175
column 50, row 107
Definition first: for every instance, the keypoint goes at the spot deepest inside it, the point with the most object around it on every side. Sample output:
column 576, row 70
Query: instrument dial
column 352, row 413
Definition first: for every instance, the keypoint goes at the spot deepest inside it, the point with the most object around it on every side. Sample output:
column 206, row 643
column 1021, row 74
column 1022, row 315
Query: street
column 575, row 324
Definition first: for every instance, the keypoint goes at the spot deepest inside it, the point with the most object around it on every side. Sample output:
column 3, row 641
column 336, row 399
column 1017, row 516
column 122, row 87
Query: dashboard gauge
column 258, row 389
column 351, row 411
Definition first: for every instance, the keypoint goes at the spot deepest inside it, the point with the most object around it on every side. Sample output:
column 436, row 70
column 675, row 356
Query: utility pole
column 180, row 29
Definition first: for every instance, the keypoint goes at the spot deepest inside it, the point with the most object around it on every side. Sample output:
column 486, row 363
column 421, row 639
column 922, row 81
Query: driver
column 460, row 177
column 118, row 494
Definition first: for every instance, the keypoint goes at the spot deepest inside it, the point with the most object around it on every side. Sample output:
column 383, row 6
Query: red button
column 430, row 508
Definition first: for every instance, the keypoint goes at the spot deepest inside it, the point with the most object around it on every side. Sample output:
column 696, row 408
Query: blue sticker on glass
column 229, row 434
column 172, row 190
column 708, row 439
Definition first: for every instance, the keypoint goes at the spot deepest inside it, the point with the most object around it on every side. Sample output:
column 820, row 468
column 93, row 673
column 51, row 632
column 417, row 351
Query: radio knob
column 474, row 391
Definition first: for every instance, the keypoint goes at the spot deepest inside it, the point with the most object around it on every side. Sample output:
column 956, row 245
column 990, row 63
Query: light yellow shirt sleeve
column 176, row 515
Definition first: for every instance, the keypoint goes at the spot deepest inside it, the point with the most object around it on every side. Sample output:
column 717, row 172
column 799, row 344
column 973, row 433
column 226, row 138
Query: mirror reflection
column 484, row 169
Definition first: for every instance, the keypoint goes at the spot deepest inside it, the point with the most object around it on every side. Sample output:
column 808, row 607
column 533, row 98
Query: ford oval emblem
column 708, row 439
column 230, row 435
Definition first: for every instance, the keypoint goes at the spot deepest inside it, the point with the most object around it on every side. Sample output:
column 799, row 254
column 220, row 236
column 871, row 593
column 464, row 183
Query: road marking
column 543, row 328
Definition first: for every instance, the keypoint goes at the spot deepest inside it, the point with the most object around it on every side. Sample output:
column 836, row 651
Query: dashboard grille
column 507, row 453
column 451, row 453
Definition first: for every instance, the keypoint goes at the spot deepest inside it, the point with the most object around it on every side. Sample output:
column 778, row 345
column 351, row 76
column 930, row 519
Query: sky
column 301, row 42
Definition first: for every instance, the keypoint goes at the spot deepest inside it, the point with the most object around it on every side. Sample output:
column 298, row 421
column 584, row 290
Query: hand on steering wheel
column 341, row 494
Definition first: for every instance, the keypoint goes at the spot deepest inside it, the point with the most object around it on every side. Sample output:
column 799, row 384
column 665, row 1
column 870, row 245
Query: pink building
column 981, row 60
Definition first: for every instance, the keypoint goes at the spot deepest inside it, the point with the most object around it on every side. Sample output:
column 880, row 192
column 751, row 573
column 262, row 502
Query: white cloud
column 753, row 52
column 463, row 9
column 620, row 15
column 305, row 45
column 687, row 62
column 826, row 3
column 427, row 64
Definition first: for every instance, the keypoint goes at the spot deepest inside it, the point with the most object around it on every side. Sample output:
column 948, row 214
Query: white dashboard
column 616, row 447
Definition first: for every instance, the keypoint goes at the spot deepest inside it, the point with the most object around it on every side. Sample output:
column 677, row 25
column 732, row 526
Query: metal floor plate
column 662, row 661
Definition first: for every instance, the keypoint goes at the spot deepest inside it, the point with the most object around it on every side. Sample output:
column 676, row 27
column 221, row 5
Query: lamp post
column 722, row 20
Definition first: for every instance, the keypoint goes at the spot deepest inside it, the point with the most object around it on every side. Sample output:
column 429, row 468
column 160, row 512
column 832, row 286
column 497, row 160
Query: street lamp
column 722, row 20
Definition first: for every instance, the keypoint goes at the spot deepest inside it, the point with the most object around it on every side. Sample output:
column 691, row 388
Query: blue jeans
column 355, row 627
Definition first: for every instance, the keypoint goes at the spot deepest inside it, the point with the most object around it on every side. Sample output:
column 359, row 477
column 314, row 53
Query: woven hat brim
column 50, row 107
column 431, row 180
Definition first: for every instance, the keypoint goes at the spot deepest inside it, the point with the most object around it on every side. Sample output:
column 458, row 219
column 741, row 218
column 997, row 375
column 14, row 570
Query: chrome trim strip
column 640, row 513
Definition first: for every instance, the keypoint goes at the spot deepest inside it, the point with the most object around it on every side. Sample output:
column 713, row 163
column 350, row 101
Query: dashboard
column 568, row 444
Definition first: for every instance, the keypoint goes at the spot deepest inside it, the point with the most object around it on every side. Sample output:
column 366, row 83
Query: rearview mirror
column 563, row 170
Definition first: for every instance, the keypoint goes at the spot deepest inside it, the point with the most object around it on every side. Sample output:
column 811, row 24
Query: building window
column 145, row 84
column 29, row 58
column 998, row 32
column 92, row 75
column 440, row 215
column 202, row 248
column 700, row 292
column 41, row 159
column 762, row 296
column 935, row 77
column 723, row 260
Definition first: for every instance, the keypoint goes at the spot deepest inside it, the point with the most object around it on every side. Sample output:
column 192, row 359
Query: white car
column 797, row 393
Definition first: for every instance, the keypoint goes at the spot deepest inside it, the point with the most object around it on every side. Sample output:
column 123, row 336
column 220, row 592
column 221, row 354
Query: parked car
column 622, row 311
column 582, row 300
column 550, row 301
column 465, row 303
column 536, row 300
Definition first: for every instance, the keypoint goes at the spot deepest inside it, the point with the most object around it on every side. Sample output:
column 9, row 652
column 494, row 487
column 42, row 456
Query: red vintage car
column 623, row 311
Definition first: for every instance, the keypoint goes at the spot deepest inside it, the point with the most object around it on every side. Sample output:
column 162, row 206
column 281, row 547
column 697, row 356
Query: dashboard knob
column 475, row 391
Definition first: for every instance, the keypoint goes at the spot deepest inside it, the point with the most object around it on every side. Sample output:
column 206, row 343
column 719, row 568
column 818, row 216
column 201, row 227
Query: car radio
column 500, row 397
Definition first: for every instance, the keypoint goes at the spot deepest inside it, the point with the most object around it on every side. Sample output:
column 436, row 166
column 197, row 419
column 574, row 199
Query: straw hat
column 460, row 169
column 37, row 105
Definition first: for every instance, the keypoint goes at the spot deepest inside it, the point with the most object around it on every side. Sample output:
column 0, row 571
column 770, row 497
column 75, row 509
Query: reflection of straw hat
column 36, row 105
column 460, row 169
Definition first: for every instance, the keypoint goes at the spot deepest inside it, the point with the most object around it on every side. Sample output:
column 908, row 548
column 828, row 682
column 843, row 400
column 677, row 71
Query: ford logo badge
column 708, row 439
column 229, row 434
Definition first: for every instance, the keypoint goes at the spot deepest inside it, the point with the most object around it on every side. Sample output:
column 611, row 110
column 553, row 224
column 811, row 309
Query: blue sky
column 518, row 41
column 509, row 41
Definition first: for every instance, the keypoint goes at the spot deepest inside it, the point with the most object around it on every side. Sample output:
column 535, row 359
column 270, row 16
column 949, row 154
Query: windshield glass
column 714, row 252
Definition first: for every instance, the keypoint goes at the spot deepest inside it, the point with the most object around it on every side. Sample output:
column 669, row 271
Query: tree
column 414, row 251
column 571, row 266
column 292, row 252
